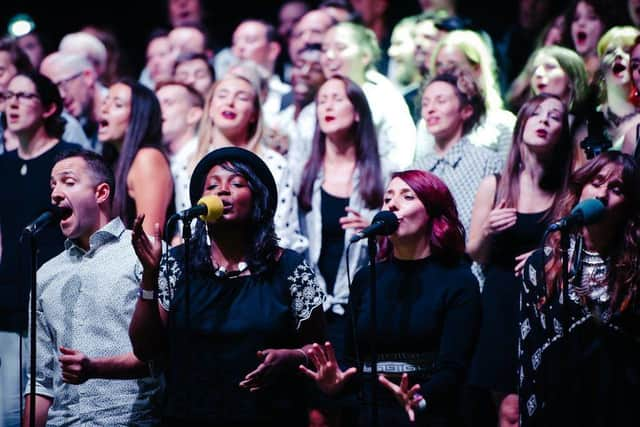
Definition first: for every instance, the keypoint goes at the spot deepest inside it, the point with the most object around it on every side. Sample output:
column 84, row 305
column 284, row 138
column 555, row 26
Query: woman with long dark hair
column 351, row 50
column 341, row 187
column 131, row 124
column 427, row 311
column 580, row 341
column 246, row 302
column 510, row 214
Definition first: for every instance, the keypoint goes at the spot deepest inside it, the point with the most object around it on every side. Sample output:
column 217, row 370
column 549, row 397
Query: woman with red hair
column 428, row 312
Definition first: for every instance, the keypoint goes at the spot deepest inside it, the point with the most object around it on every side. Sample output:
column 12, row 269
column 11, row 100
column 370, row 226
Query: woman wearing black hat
column 250, row 303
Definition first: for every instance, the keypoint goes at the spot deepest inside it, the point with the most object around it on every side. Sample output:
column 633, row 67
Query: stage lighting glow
column 21, row 25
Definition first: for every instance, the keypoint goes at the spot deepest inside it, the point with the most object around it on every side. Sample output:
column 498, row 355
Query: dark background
column 133, row 20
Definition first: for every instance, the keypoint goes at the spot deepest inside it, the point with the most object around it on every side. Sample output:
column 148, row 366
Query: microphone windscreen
column 591, row 209
column 214, row 208
column 389, row 221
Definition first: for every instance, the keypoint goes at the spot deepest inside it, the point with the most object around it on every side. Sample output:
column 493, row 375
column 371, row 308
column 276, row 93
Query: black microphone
column 383, row 224
column 52, row 214
column 586, row 212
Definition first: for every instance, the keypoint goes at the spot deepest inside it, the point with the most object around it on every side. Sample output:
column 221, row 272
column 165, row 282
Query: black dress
column 230, row 320
column 576, row 368
column 427, row 317
column 495, row 361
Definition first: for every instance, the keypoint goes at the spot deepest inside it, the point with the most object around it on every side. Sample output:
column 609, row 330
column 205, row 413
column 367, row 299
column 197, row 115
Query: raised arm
column 151, row 186
column 487, row 220
column 147, row 330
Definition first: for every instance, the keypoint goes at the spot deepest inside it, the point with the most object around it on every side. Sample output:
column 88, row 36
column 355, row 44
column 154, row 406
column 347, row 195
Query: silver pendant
column 23, row 170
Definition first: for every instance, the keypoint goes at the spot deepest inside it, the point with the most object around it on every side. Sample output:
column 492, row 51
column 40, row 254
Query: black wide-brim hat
column 232, row 154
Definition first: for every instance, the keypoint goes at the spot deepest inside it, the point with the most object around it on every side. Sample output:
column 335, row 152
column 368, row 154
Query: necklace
column 592, row 279
column 34, row 154
column 221, row 272
column 616, row 120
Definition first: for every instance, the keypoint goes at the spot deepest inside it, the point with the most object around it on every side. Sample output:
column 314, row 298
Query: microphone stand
column 372, row 249
column 564, row 247
column 186, row 238
column 29, row 237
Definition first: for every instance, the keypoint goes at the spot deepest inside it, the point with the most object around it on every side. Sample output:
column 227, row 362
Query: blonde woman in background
column 465, row 50
column 232, row 117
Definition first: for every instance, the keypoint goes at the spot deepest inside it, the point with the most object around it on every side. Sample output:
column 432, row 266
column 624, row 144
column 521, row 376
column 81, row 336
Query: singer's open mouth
column 65, row 212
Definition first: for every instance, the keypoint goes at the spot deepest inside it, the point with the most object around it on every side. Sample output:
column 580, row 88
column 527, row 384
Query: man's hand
column 76, row 366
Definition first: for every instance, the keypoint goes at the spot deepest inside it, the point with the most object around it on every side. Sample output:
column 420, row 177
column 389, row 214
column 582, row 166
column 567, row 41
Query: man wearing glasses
column 79, row 88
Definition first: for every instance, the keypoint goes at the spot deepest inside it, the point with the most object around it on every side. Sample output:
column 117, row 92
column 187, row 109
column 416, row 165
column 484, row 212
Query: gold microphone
column 214, row 208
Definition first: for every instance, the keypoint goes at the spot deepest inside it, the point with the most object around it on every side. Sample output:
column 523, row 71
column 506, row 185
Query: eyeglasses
column 20, row 96
column 62, row 84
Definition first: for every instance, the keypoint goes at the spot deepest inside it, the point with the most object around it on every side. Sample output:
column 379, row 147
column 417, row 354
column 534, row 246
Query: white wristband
column 147, row 295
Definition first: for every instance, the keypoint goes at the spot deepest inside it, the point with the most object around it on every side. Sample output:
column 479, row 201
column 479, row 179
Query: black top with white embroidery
column 230, row 320
column 577, row 368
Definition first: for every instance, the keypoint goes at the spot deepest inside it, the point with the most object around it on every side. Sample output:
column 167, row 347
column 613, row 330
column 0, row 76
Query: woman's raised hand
column 354, row 220
column 500, row 218
column 149, row 251
column 273, row 363
column 520, row 261
column 407, row 396
column 328, row 375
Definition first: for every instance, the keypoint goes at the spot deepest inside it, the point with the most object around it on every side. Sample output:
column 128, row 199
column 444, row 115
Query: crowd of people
column 494, row 297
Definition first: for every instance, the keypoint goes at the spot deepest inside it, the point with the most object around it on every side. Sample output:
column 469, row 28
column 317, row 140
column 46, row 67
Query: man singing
column 85, row 300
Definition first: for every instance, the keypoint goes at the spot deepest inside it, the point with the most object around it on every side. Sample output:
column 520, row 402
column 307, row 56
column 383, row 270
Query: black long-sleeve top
column 428, row 314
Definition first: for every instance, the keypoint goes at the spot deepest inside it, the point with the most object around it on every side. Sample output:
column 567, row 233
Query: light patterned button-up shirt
column 462, row 168
column 85, row 302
